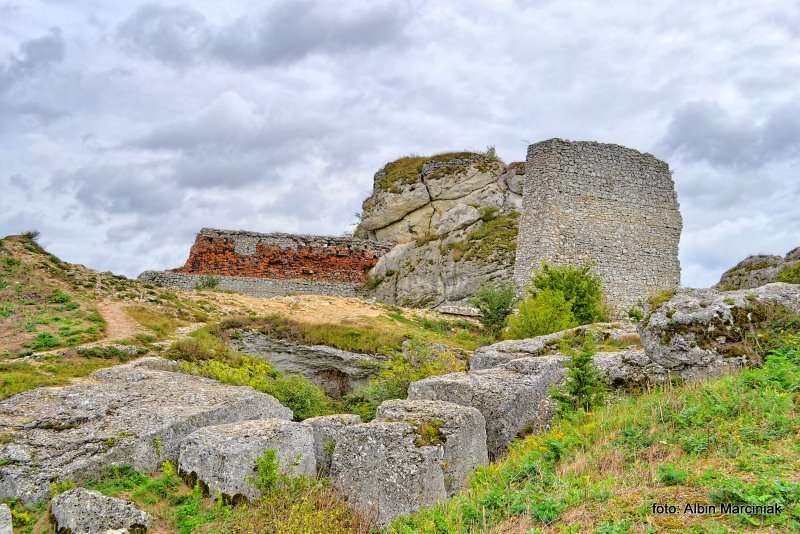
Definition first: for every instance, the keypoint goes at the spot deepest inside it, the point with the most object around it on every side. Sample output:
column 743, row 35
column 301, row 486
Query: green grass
column 406, row 170
column 495, row 239
column 160, row 323
column 16, row 377
column 727, row 440
column 790, row 274
column 206, row 355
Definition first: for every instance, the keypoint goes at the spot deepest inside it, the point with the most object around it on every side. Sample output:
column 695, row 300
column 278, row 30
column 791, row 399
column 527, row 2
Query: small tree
column 585, row 386
column 495, row 302
column 582, row 289
column 541, row 313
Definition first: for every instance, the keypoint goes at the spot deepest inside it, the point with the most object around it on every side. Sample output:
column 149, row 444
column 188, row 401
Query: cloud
column 33, row 55
column 172, row 34
column 286, row 31
column 705, row 131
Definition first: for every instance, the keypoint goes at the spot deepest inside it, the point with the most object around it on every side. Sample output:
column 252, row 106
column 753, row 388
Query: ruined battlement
column 605, row 204
column 283, row 256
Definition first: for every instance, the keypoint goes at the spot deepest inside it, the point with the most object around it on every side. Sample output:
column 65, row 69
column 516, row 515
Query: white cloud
column 137, row 123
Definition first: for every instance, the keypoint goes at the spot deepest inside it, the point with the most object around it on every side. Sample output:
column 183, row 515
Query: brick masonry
column 281, row 256
column 606, row 204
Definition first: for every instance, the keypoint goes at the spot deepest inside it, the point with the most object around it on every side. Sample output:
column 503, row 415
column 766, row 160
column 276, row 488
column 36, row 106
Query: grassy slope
column 729, row 440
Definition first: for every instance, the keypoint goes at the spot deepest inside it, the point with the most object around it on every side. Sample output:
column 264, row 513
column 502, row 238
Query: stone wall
column 256, row 287
column 600, row 203
column 279, row 256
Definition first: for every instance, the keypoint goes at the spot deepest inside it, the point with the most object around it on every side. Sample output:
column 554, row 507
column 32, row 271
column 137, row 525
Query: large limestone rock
column 5, row 520
column 758, row 270
column 223, row 457
column 461, row 430
column 703, row 332
column 338, row 372
column 505, row 351
column 383, row 473
column 328, row 429
column 133, row 414
column 81, row 511
column 513, row 398
column 441, row 211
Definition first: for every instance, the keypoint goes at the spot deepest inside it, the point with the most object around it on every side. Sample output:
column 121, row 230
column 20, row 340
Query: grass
column 406, row 170
column 655, row 301
column 161, row 323
column 206, row 355
column 16, row 377
column 790, row 274
column 727, row 440
column 495, row 239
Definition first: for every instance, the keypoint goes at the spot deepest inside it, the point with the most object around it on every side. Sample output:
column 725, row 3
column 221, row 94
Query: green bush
column 790, row 274
column 542, row 313
column 267, row 475
column 582, row 289
column 585, row 386
column 495, row 302
column 418, row 361
column 669, row 475
column 207, row 282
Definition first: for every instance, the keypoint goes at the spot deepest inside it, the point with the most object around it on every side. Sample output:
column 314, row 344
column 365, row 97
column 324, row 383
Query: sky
column 127, row 126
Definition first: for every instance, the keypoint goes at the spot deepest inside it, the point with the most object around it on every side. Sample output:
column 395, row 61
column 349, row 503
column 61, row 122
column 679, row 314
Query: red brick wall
column 332, row 263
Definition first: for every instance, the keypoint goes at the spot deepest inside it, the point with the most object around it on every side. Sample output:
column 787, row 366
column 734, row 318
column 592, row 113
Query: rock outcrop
column 758, row 270
column 82, row 511
column 5, row 520
column 328, row 429
column 513, row 398
column 454, row 219
column 338, row 372
column 223, row 457
column 703, row 332
column 383, row 473
column 134, row 414
column 460, row 430
column 505, row 351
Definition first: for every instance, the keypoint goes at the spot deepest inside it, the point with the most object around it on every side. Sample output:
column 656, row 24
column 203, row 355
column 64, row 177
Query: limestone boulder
column 6, row 526
column 427, row 268
column 460, row 430
column 758, row 270
column 503, row 352
column 513, row 399
column 383, row 472
column 336, row 371
column 703, row 332
column 328, row 430
column 133, row 414
column 223, row 457
column 82, row 511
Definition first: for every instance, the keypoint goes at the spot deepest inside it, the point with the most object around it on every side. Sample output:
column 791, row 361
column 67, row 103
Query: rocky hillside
column 761, row 269
column 454, row 218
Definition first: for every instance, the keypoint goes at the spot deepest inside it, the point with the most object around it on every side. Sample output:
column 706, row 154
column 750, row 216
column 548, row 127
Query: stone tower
column 606, row 204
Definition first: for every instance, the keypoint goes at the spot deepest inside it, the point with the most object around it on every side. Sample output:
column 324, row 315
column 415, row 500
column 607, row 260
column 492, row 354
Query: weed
column 495, row 302
column 208, row 282
column 429, row 433
column 669, row 475
column 542, row 313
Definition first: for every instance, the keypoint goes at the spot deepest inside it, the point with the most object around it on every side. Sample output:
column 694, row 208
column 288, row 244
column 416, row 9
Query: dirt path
column 119, row 325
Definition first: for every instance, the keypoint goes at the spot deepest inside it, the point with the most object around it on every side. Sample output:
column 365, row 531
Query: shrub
column 790, row 274
column 416, row 362
column 669, row 475
column 495, row 302
column 582, row 289
column 266, row 472
column 207, row 282
column 585, row 386
column 636, row 314
column 542, row 313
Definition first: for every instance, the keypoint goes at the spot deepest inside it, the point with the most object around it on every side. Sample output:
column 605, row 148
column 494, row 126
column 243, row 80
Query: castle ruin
column 581, row 202
column 604, row 204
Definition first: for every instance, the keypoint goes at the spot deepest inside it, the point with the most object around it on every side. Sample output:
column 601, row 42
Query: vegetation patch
column 790, row 274
column 406, row 170
column 493, row 240
column 429, row 433
column 728, row 440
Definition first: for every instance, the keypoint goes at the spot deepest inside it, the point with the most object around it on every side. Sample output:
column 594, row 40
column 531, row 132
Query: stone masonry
column 614, row 207
column 274, row 264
